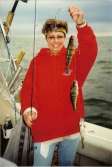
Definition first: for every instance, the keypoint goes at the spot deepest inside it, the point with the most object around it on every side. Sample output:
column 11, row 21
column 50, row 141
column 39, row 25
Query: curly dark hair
column 52, row 24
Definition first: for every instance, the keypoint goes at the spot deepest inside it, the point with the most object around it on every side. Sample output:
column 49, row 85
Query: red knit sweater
column 50, row 91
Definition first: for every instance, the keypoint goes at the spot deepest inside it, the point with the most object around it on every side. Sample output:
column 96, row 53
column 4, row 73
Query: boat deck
column 81, row 160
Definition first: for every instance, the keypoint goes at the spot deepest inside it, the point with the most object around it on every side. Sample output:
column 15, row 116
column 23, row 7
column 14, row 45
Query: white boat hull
column 97, row 143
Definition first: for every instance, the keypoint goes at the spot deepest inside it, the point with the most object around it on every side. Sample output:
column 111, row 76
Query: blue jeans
column 66, row 152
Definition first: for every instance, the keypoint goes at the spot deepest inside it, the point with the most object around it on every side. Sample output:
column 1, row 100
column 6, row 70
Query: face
column 55, row 41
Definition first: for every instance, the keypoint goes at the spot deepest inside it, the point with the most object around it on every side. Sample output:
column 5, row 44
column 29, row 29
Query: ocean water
column 97, row 88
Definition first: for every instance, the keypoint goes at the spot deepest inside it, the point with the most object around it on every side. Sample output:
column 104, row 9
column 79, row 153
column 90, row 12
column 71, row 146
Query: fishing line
column 23, row 128
column 34, row 41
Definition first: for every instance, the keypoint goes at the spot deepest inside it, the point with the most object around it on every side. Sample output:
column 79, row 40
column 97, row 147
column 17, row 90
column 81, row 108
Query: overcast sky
column 98, row 13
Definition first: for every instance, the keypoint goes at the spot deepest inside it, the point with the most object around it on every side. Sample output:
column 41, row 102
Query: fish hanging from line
column 70, row 52
column 74, row 91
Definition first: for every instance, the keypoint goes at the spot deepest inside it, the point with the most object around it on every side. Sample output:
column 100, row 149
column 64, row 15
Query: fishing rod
column 10, row 17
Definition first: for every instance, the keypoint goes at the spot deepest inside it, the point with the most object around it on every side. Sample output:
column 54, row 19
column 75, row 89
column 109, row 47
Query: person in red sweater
column 46, row 91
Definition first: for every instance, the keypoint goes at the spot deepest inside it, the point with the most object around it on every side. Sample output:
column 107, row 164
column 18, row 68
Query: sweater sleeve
column 87, row 52
column 27, row 90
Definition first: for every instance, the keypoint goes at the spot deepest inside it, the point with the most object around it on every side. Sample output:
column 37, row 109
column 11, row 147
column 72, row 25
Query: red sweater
column 50, row 91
